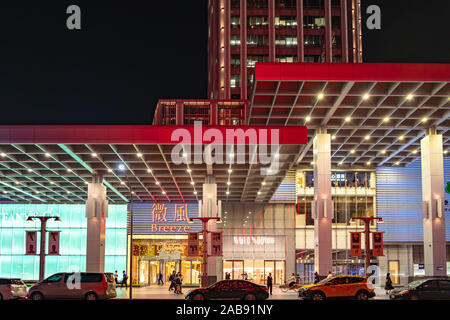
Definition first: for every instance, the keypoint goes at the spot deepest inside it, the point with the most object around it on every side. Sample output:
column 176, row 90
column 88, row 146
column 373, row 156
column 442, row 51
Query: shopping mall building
column 334, row 141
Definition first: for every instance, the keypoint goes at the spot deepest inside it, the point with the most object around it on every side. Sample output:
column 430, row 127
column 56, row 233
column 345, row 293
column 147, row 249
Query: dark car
column 229, row 289
column 423, row 289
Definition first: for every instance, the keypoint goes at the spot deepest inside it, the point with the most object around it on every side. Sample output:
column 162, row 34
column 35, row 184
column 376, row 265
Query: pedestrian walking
column 124, row 279
column 388, row 285
column 316, row 277
column 270, row 283
column 116, row 277
column 172, row 280
column 227, row 276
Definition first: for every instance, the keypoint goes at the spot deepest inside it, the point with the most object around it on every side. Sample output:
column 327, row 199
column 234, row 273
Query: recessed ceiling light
column 312, row 163
column 157, row 182
column 340, row 163
column 368, row 163
column 86, row 182
column 401, row 137
column 386, row 119
column 366, row 96
column 163, row 192
column 3, row 154
column 231, row 155
column 409, row 96
column 37, row 192
column 263, row 183
column 139, row 155
column 30, row 170
column 47, row 155
column 195, row 192
column 259, row 192
column 230, row 170
column 121, row 167
column 228, row 192
column 383, row 151
column 16, row 182
column 5, row 192
column 367, row 137
column 121, row 182
column 348, row 119
column 68, row 192
column 93, row 155
column 189, row 170
column 352, row 151
column 184, row 155
column 425, row 119
column 149, row 170
column 307, row 119
column 109, row 170
column 414, row 152
column 446, row 151
column 333, row 137
column 397, row 163
column 228, row 183
column 192, row 182
column 51, row 182
column 69, row 170
column 320, row 96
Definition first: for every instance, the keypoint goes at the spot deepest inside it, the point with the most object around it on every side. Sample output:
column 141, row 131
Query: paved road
column 162, row 292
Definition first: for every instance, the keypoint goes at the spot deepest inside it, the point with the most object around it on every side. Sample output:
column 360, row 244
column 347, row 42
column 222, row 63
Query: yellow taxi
column 338, row 287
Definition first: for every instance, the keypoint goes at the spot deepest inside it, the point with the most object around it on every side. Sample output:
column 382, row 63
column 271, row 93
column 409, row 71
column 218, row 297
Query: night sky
column 128, row 55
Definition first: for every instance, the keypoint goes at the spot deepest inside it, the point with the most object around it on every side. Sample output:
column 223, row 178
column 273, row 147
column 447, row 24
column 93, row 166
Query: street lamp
column 367, row 232
column 205, row 232
column 43, row 236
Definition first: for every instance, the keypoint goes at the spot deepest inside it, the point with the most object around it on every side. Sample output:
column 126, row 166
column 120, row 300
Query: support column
column 96, row 214
column 209, row 209
column 328, row 35
column 322, row 203
column 272, row 54
column 433, row 198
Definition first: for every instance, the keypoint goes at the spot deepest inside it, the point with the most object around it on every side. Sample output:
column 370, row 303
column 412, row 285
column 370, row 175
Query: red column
column 243, row 17
column 328, row 37
column 227, row 49
column 344, row 31
column 300, row 38
column 271, row 30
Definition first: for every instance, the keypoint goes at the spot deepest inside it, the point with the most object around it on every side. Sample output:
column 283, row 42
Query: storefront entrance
column 255, row 271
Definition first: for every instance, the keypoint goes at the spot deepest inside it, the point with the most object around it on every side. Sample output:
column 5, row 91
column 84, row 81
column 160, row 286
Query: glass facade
column 15, row 264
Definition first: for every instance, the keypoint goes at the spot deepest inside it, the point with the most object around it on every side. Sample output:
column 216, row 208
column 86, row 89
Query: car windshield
column 416, row 283
column 323, row 281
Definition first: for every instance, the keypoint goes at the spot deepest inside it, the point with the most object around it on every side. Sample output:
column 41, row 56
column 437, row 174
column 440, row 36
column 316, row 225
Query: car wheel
column 414, row 297
column 198, row 296
column 362, row 295
column 37, row 296
column 250, row 296
column 318, row 296
column 90, row 296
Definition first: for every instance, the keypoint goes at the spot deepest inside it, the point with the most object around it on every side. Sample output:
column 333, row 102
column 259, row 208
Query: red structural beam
column 433, row 72
column 137, row 134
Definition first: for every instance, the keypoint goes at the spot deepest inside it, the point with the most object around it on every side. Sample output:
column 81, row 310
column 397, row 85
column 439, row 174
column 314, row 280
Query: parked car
column 229, row 289
column 338, row 287
column 423, row 289
column 12, row 289
column 91, row 286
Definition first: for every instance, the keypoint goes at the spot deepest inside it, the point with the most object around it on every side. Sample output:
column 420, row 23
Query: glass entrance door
column 169, row 268
column 143, row 275
column 154, row 270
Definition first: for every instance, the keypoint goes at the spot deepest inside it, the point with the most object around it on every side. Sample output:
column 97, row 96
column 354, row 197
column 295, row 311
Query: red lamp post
column 205, row 232
column 367, row 232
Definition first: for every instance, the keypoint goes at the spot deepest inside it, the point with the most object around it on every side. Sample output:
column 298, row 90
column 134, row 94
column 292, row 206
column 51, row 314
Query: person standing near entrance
column 316, row 277
column 388, row 285
column 227, row 276
column 124, row 279
column 172, row 280
column 116, row 277
column 160, row 279
column 269, row 283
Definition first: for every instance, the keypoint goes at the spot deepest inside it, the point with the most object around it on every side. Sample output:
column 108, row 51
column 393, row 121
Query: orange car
column 338, row 287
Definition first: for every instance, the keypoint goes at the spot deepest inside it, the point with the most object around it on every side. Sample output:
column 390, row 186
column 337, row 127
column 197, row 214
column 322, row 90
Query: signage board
column 53, row 243
column 355, row 244
column 31, row 241
column 216, row 244
column 377, row 240
column 193, row 244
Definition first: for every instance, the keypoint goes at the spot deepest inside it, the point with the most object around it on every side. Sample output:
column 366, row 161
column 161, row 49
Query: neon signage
column 164, row 218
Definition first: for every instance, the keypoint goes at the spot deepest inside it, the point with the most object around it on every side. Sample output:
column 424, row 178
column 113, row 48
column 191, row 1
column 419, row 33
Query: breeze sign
column 164, row 218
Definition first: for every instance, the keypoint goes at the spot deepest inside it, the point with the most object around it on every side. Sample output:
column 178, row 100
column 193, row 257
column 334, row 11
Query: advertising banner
column 31, row 242
column 216, row 244
column 53, row 243
column 193, row 244
column 377, row 244
column 355, row 244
